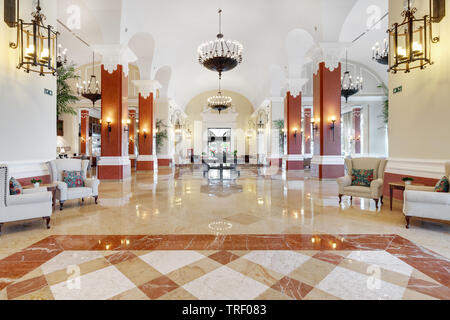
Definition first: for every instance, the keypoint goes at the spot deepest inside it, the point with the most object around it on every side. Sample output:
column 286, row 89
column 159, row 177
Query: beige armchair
column 375, row 191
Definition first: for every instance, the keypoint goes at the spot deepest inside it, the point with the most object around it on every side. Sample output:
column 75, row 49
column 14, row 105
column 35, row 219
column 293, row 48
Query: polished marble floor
column 261, row 202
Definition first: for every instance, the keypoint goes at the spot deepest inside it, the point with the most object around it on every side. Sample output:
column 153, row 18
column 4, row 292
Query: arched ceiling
column 174, row 30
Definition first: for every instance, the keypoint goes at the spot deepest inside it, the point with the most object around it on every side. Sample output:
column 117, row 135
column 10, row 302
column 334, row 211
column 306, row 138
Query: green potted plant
column 408, row 180
column 36, row 182
column 161, row 134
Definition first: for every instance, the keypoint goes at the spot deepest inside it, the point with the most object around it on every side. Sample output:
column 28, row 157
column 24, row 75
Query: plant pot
column 408, row 183
column 36, row 185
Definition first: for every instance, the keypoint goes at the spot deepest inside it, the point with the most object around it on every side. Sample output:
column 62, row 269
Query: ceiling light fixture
column 220, row 102
column 348, row 87
column 90, row 90
column 220, row 55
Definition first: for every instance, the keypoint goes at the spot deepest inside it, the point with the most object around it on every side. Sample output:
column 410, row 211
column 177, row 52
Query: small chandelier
column 381, row 55
column 90, row 90
column 37, row 44
column 348, row 87
column 220, row 55
column 261, row 127
column 178, row 126
column 61, row 57
column 220, row 102
column 410, row 42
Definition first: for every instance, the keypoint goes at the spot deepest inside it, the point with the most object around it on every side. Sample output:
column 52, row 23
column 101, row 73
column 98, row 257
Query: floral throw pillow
column 73, row 179
column 15, row 188
column 362, row 178
column 442, row 186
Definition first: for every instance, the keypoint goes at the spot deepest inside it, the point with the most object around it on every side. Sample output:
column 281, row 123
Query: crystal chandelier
column 220, row 55
column 381, row 55
column 90, row 90
column 348, row 87
column 220, row 102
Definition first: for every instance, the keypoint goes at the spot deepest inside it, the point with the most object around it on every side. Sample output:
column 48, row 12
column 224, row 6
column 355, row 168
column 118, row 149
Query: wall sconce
column 333, row 125
column 145, row 134
column 295, row 133
column 108, row 121
column 37, row 43
column 127, row 127
column 315, row 126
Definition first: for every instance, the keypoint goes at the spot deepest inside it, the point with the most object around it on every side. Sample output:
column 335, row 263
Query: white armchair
column 423, row 202
column 32, row 204
column 63, row 193
column 375, row 191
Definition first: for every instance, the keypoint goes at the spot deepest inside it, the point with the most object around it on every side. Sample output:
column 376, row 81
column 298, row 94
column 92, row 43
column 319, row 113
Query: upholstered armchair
column 32, row 204
column 375, row 191
column 423, row 202
column 63, row 192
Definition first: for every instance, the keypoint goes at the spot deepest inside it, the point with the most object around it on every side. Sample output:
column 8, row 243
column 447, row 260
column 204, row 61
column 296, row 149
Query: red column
column 84, row 128
column 145, row 160
column 114, row 162
column 293, row 116
column 132, row 137
column 357, row 129
column 307, row 130
column 327, row 162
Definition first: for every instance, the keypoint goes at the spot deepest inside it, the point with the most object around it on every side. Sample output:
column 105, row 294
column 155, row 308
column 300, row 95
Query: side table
column 50, row 188
column 401, row 186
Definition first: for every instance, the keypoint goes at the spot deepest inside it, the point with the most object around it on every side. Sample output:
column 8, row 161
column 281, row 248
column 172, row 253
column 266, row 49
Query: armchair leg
column 408, row 221
column 382, row 198
column 82, row 199
column 340, row 198
column 351, row 200
column 376, row 202
column 1, row 225
column 61, row 205
column 47, row 220
column 96, row 199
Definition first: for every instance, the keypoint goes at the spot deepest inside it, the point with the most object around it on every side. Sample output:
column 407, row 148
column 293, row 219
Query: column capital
column 331, row 53
column 114, row 55
column 295, row 86
column 145, row 87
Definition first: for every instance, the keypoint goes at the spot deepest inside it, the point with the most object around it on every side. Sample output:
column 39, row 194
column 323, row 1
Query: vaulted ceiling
column 166, row 35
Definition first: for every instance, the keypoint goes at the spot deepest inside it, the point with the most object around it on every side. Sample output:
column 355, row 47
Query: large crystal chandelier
column 220, row 55
column 90, row 90
column 348, row 86
column 220, row 102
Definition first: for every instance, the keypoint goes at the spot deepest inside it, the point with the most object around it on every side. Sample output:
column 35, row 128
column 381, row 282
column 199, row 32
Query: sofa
column 32, row 204
column 63, row 192
column 375, row 191
column 423, row 202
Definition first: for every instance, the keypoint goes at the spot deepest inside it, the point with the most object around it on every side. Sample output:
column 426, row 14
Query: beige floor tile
column 42, row 294
column 138, row 271
column 271, row 294
column 193, row 271
column 312, row 272
column 255, row 271
column 317, row 294
column 414, row 295
column 133, row 294
column 178, row 294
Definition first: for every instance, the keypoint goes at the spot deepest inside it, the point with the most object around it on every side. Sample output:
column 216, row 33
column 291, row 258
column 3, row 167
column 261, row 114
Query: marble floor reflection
column 262, row 201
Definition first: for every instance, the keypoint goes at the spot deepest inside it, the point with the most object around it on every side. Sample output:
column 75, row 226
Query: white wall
column 28, row 117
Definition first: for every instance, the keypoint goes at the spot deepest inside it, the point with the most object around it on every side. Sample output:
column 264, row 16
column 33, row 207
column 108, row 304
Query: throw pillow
column 443, row 185
column 362, row 178
column 15, row 188
column 73, row 179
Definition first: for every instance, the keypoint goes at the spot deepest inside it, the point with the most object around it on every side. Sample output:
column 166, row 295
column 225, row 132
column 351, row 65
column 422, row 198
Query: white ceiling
column 165, row 36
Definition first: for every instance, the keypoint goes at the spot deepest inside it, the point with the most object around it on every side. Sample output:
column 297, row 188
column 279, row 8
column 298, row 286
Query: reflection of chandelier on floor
column 381, row 55
column 220, row 102
column 348, row 87
column 220, row 55
column 90, row 90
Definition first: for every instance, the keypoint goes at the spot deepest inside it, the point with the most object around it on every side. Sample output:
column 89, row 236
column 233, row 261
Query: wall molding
column 434, row 169
column 327, row 160
column 114, row 161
